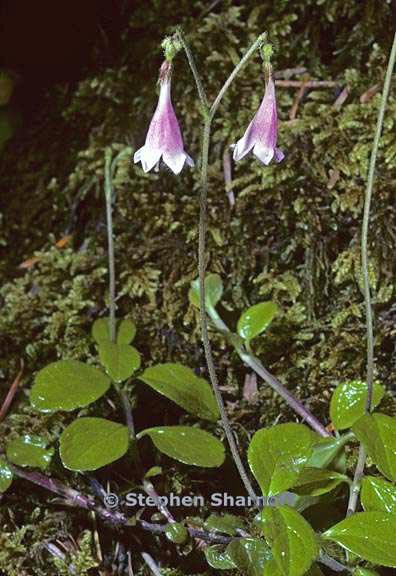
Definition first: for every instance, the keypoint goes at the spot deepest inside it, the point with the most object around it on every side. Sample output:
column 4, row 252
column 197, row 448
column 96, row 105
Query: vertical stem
column 202, row 311
column 365, row 228
column 110, row 242
column 355, row 488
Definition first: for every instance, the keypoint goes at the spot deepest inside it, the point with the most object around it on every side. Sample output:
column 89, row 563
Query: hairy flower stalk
column 262, row 133
column 164, row 139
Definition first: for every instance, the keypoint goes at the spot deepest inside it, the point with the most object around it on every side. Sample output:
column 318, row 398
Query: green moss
column 293, row 235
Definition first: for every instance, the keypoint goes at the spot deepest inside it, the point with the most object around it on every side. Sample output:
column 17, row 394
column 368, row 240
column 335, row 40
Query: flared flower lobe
column 262, row 133
column 164, row 139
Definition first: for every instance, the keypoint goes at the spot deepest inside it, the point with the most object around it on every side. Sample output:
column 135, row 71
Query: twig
column 151, row 564
column 150, row 491
column 299, row 96
column 341, row 98
column 370, row 93
column 293, row 402
column 74, row 498
column 309, row 84
column 130, row 568
column 355, row 488
column 11, row 393
column 227, row 170
column 289, row 72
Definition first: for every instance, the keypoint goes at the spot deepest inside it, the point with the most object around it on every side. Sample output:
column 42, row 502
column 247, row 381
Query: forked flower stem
column 355, row 488
column 208, row 115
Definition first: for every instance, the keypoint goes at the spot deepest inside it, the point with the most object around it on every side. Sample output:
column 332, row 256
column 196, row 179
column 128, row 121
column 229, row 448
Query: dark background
column 44, row 42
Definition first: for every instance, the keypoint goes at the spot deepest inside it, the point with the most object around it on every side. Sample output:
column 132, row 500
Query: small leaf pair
column 253, row 321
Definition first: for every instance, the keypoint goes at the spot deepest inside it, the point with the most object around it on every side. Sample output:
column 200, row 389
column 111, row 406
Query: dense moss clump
column 292, row 236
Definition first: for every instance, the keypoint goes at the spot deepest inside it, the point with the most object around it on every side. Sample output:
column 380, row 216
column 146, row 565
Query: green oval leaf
column 187, row 445
column 5, row 476
column 256, row 319
column 315, row 482
column 213, row 291
column 29, row 451
column 91, row 443
column 293, row 542
column 101, row 330
column 249, row 555
column 378, row 494
column 119, row 360
column 277, row 455
column 369, row 535
column 176, row 532
column 377, row 432
column 348, row 402
column 218, row 558
column 180, row 384
column 66, row 385
column 226, row 523
column 126, row 331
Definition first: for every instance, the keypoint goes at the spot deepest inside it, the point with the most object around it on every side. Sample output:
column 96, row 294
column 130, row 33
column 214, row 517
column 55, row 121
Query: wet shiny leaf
column 277, row 455
column 377, row 432
column 5, row 475
column 29, row 451
column 67, row 385
column 119, row 360
column 348, row 402
column 369, row 535
column 180, row 384
column 378, row 494
column 91, row 443
column 292, row 541
column 256, row 319
column 187, row 445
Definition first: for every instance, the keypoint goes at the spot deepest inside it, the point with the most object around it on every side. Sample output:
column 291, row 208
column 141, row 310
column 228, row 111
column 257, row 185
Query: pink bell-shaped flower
column 164, row 140
column 262, row 133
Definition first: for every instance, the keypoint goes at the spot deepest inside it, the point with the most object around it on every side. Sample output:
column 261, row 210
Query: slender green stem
column 357, row 478
column 260, row 40
column 203, row 317
column 110, row 244
column 365, row 228
column 355, row 488
column 194, row 70
column 109, row 171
